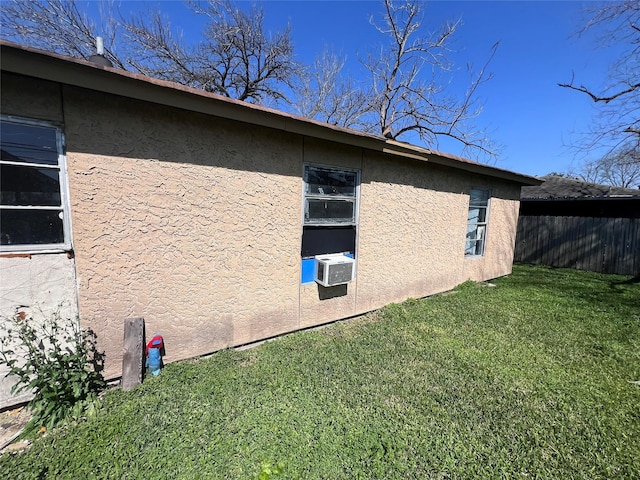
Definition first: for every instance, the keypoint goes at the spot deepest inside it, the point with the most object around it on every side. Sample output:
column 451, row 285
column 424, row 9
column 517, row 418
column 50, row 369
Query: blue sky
column 528, row 114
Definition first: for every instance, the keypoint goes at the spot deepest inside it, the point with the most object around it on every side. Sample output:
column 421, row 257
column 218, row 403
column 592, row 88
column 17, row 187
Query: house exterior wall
column 195, row 224
column 501, row 236
column 40, row 285
column 413, row 222
column 197, row 230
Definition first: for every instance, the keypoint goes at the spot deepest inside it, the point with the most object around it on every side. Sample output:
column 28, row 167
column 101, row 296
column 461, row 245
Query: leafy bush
column 57, row 361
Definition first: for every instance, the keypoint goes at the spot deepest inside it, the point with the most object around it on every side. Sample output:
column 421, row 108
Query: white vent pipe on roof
column 98, row 58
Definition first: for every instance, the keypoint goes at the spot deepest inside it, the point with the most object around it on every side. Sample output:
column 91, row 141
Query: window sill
column 28, row 253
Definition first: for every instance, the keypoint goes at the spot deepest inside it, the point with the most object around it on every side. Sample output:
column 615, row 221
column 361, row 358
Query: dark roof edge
column 557, row 187
column 619, row 198
column 36, row 63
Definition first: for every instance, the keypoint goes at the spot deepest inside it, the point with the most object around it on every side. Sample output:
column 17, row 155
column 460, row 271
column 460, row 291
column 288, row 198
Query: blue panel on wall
column 307, row 269
column 308, row 265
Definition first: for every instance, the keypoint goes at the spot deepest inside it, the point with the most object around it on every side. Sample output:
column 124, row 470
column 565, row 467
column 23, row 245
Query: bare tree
column 617, row 125
column 621, row 169
column 235, row 57
column 405, row 95
column 327, row 95
column 409, row 96
column 156, row 52
column 61, row 27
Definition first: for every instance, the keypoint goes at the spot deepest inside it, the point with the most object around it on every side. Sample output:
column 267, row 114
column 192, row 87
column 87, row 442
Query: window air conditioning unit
column 334, row 269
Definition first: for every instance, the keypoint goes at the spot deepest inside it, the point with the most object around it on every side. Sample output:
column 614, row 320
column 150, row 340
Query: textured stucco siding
column 40, row 285
column 411, row 229
column 501, row 233
column 413, row 224
column 188, row 222
column 195, row 224
column 31, row 98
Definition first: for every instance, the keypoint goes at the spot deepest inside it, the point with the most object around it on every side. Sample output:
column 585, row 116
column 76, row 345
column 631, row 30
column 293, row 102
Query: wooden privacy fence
column 605, row 245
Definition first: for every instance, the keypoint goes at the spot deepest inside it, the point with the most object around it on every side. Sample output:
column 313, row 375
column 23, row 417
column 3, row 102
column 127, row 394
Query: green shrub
column 56, row 361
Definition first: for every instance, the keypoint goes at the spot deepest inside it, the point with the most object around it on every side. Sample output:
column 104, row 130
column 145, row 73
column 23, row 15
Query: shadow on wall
column 434, row 177
column 326, row 293
column 119, row 127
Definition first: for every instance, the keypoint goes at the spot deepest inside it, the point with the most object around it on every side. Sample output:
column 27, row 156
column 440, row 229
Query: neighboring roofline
column 36, row 63
column 619, row 198
column 557, row 187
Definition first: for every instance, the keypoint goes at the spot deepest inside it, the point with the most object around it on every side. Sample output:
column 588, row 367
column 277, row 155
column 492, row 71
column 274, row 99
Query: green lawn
column 527, row 379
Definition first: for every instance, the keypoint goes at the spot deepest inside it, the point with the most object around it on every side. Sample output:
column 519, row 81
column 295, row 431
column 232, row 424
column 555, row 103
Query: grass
column 527, row 379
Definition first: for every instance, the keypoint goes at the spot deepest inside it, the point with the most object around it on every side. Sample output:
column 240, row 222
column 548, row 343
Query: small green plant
column 55, row 360
column 268, row 471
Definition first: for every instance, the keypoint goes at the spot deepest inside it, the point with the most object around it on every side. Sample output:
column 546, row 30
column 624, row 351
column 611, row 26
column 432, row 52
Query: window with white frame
column 477, row 222
column 33, row 202
column 330, row 214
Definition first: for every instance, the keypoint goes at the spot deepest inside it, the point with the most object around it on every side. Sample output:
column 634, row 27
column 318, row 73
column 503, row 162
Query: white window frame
column 355, row 200
column 481, row 228
column 64, row 208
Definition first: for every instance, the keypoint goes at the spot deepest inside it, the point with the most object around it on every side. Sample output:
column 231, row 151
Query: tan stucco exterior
column 200, row 234
column 194, row 221
column 37, row 285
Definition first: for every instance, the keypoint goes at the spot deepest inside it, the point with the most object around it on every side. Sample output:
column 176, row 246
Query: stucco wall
column 501, row 232
column 413, row 223
column 31, row 98
column 189, row 222
column 40, row 285
column 195, row 224
column 410, row 231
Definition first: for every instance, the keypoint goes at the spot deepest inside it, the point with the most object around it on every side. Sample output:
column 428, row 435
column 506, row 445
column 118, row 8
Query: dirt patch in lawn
column 11, row 424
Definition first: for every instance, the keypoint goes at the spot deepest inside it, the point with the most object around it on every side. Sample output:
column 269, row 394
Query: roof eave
column 439, row 158
column 81, row 73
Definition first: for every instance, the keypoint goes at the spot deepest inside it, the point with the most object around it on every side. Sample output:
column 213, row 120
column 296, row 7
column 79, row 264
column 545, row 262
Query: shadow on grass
column 631, row 281
column 594, row 288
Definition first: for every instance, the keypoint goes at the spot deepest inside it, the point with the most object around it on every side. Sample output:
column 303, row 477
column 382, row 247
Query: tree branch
column 597, row 98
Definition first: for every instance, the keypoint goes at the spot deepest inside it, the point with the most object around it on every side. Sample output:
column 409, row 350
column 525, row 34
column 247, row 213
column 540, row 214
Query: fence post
column 133, row 353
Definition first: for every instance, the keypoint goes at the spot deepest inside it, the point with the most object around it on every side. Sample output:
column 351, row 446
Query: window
column 330, row 214
column 477, row 222
column 330, row 196
column 33, row 211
